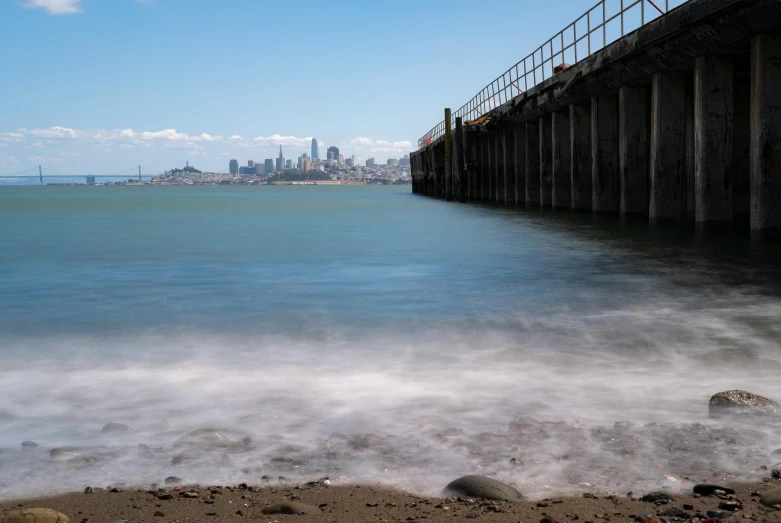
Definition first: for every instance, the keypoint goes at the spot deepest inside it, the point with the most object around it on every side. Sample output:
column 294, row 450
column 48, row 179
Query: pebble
column 291, row 507
column 35, row 515
column 730, row 504
column 88, row 490
column 29, row 444
column 771, row 497
column 172, row 480
column 708, row 489
column 481, row 487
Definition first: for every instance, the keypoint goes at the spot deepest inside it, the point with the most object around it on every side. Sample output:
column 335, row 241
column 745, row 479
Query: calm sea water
column 373, row 335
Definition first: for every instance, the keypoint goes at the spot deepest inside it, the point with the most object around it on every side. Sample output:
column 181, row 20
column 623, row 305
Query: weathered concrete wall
column 520, row 165
column 508, row 146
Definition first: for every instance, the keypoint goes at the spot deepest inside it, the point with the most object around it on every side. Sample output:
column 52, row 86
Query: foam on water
column 413, row 409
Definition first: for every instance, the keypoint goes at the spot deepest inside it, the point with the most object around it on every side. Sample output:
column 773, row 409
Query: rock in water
column 771, row 497
column 481, row 487
column 35, row 515
column 204, row 439
column 740, row 402
column 291, row 507
column 115, row 427
column 706, row 489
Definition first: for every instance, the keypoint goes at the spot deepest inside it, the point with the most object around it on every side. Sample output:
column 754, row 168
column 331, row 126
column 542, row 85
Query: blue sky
column 95, row 86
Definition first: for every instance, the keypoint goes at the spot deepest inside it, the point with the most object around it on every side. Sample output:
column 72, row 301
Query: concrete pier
column 676, row 123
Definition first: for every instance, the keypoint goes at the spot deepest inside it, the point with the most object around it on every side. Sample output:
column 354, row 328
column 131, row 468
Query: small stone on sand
column 35, row 515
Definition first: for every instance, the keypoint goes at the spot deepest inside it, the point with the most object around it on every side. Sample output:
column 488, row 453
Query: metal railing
column 597, row 28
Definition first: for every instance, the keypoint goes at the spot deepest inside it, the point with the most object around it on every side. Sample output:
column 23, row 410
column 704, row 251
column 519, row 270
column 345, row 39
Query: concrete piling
column 532, row 164
column 713, row 142
column 499, row 167
column 766, row 137
column 519, row 143
column 633, row 159
column 448, row 157
column 561, row 178
column 604, row 154
column 580, row 155
column 668, row 148
column 546, row 161
column 508, row 146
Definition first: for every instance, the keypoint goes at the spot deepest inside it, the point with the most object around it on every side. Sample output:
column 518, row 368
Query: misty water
column 370, row 335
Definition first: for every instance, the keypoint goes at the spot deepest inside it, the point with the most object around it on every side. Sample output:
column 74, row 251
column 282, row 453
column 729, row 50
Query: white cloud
column 361, row 140
column 382, row 142
column 56, row 7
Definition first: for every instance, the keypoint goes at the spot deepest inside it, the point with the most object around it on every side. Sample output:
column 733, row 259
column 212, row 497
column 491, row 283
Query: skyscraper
column 233, row 167
column 280, row 160
column 268, row 166
column 355, row 161
column 333, row 153
column 315, row 150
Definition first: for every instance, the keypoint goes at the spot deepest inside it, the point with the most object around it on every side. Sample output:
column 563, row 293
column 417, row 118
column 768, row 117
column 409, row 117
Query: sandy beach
column 374, row 503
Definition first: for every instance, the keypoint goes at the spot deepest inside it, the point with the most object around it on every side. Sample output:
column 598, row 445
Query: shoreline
column 324, row 502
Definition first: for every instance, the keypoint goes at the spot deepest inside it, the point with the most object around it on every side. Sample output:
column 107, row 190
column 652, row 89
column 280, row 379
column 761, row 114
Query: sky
column 97, row 86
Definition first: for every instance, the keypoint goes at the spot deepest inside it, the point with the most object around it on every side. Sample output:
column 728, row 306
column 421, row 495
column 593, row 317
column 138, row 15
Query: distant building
column 393, row 162
column 288, row 164
column 404, row 162
column 348, row 162
column 370, row 162
column 280, row 160
column 90, row 180
column 250, row 163
column 248, row 171
column 268, row 167
column 315, row 149
column 355, row 161
column 333, row 153
column 341, row 159
column 307, row 165
column 233, row 167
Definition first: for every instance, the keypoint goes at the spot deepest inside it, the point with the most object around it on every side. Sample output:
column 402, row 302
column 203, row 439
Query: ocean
column 370, row 335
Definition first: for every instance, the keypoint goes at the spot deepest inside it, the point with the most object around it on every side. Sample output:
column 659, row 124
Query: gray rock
column 659, row 495
column 771, row 497
column 115, row 427
column 707, row 489
column 291, row 507
column 172, row 480
column 29, row 445
column 481, row 487
column 740, row 402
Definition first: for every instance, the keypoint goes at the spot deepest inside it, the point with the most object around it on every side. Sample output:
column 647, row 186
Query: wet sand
column 374, row 503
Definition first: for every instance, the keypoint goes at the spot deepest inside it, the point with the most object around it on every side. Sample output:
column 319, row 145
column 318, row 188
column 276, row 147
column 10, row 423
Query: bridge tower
column 40, row 175
column 139, row 173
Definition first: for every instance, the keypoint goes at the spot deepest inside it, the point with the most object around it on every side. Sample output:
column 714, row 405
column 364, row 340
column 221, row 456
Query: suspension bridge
column 137, row 172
